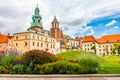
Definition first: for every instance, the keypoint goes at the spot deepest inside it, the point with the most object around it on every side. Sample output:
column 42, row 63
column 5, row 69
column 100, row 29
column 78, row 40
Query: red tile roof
column 103, row 39
column 88, row 39
column 109, row 39
column 79, row 39
column 3, row 38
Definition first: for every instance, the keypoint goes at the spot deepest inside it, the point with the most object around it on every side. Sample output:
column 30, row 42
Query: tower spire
column 36, row 19
column 55, row 19
column 55, row 23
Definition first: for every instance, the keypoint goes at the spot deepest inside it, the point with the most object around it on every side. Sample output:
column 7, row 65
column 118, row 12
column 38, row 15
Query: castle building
column 34, row 38
column 3, row 42
column 104, row 45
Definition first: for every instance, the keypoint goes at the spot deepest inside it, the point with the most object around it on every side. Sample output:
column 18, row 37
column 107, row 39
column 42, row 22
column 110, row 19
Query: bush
column 18, row 69
column 38, row 57
column 8, row 60
column 59, row 67
column 3, row 70
column 89, row 66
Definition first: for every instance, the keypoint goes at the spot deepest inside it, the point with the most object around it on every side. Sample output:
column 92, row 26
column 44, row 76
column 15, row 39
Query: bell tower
column 55, row 23
column 55, row 30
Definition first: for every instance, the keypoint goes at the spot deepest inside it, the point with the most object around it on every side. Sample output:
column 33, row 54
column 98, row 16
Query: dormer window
column 107, row 41
column 118, row 40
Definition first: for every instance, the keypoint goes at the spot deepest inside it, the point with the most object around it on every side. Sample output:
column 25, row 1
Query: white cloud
column 75, row 14
column 111, row 23
column 83, row 30
column 111, row 31
column 116, row 27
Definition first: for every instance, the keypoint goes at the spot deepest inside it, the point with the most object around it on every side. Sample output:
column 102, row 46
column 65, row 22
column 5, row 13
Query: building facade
column 104, row 45
column 34, row 38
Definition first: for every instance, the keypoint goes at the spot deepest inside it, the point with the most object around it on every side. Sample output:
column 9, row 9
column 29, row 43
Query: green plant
column 89, row 65
column 8, row 60
column 4, row 70
column 38, row 57
column 59, row 67
column 18, row 69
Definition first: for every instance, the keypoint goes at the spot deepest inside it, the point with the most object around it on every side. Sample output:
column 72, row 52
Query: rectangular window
column 16, row 37
column 38, row 37
column 41, row 38
column 41, row 44
column 33, row 36
column 47, row 45
column 51, row 45
column 25, row 43
column 88, row 44
column 33, row 43
column 16, row 44
column 38, row 44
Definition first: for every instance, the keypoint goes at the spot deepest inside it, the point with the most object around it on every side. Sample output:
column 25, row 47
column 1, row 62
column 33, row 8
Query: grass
column 108, row 64
column 78, row 55
column 111, row 65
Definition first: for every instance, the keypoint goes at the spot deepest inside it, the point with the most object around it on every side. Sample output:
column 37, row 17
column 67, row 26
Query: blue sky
column 76, row 17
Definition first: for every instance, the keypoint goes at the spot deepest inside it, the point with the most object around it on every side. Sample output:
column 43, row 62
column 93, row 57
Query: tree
column 94, row 47
column 116, row 48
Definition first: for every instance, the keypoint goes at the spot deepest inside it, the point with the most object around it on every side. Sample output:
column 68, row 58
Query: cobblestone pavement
column 105, row 78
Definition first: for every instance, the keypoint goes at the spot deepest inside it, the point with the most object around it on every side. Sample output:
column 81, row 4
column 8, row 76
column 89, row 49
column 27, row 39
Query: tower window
column 33, row 20
column 38, row 21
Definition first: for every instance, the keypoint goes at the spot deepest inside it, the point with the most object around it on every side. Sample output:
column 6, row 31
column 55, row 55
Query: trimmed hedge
column 59, row 67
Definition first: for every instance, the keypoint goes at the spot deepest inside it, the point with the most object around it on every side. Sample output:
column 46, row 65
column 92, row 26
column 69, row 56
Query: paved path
column 61, row 77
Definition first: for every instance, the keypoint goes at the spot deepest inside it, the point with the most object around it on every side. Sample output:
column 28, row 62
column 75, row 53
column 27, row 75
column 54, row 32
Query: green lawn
column 78, row 55
column 108, row 64
column 111, row 65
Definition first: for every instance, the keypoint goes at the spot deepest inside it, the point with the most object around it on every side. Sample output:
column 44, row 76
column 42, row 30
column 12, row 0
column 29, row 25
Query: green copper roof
column 36, row 18
column 55, row 19
column 68, row 37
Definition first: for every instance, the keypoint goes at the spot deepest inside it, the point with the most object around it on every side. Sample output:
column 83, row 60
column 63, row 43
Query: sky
column 76, row 17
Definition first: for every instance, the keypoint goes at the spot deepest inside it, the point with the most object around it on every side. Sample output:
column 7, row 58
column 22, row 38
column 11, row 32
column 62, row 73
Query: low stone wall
column 61, row 77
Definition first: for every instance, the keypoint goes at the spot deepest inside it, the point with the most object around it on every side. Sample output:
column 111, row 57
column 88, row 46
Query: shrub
column 89, row 65
column 38, row 57
column 8, row 60
column 3, row 70
column 18, row 69
column 59, row 67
